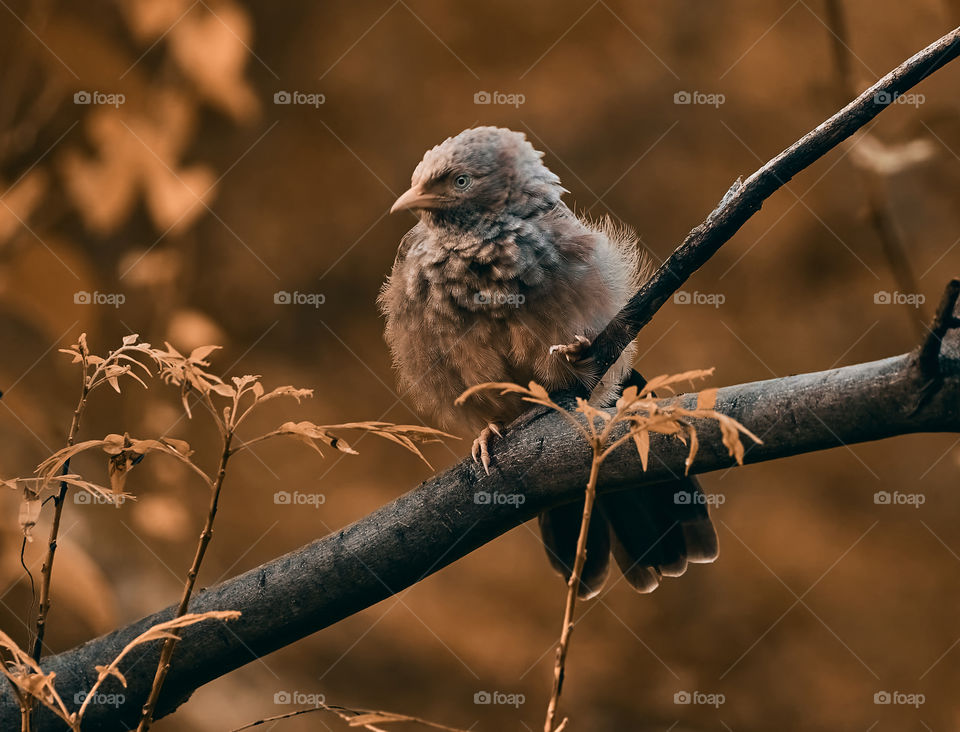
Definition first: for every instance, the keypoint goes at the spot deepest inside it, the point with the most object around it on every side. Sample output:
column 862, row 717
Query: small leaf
column 641, row 439
column 199, row 355
column 707, row 399
column 223, row 390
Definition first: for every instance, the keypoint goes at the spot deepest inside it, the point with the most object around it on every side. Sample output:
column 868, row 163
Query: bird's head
column 482, row 173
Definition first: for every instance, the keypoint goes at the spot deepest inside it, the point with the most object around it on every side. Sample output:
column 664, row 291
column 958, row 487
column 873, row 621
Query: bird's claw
column 481, row 450
column 573, row 352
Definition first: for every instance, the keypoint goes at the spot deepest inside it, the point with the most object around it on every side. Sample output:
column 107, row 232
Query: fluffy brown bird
column 501, row 281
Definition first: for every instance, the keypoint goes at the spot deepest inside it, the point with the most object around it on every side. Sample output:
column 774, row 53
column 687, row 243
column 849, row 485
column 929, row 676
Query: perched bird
column 501, row 281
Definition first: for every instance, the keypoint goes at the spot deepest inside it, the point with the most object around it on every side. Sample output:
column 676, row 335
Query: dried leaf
column 707, row 399
column 666, row 381
column 641, row 439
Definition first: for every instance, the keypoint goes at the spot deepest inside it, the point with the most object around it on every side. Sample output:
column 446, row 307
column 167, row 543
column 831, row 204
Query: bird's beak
column 416, row 197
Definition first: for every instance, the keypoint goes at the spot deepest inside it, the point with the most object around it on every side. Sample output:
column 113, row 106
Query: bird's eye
column 462, row 181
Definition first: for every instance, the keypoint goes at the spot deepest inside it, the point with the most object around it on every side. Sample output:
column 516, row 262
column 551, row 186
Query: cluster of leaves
column 246, row 393
column 640, row 412
column 636, row 415
column 30, row 682
column 229, row 404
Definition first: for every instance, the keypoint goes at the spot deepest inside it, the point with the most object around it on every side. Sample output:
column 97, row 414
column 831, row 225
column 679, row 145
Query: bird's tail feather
column 658, row 530
column 560, row 529
column 654, row 531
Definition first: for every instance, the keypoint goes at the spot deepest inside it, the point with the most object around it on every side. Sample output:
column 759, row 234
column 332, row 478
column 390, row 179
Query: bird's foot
column 573, row 352
column 481, row 450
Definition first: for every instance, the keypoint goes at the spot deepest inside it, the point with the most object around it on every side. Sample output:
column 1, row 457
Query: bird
column 500, row 281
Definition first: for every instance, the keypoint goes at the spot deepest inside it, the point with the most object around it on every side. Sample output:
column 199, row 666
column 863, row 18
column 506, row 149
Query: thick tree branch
column 441, row 520
column 745, row 198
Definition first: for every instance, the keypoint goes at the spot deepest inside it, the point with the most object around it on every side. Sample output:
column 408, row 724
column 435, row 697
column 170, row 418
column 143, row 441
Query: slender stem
column 572, row 587
column 46, row 573
column 744, row 199
column 166, row 653
column 246, row 445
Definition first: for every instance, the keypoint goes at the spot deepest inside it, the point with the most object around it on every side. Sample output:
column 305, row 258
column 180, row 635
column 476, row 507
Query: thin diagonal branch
column 745, row 198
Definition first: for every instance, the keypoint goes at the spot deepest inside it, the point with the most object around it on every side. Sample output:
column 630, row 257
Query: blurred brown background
column 198, row 198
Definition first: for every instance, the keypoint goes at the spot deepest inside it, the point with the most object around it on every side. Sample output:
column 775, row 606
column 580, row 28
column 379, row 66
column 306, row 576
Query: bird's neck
column 484, row 225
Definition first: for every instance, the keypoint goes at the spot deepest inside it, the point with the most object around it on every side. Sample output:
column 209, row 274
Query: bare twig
column 166, row 653
column 573, row 584
column 365, row 718
column 46, row 571
column 928, row 360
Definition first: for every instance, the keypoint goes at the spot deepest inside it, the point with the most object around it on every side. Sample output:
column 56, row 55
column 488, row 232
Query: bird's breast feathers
column 463, row 310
